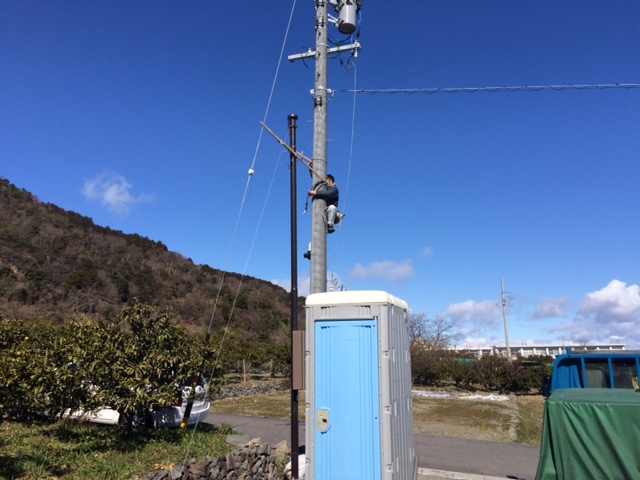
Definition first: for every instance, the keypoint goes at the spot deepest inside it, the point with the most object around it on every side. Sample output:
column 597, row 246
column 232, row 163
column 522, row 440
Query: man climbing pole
column 328, row 192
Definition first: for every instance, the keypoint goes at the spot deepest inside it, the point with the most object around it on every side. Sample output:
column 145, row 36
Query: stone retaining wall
column 244, row 390
column 252, row 461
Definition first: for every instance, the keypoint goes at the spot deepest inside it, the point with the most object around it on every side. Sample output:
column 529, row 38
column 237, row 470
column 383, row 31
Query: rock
column 231, row 464
column 200, row 469
column 253, row 461
column 282, row 450
column 237, row 439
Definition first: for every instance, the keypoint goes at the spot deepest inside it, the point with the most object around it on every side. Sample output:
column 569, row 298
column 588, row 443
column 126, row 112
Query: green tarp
column 591, row 433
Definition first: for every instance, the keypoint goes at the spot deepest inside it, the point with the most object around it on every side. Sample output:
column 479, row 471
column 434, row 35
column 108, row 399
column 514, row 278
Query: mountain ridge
column 56, row 264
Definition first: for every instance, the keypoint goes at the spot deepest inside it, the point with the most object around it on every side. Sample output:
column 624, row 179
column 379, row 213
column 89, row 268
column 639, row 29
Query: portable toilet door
column 348, row 411
column 347, row 434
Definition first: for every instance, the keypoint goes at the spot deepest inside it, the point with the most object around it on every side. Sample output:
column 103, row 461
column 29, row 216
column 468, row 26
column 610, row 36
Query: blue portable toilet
column 359, row 410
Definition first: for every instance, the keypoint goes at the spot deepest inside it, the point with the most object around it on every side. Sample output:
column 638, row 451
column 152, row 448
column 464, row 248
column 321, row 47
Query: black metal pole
column 294, row 295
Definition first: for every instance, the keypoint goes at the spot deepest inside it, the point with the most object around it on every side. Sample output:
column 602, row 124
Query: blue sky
column 145, row 116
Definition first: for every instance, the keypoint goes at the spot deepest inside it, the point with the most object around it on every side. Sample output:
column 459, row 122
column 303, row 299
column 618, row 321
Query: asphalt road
column 438, row 456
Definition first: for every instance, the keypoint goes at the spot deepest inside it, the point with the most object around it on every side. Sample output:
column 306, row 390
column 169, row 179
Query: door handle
column 322, row 418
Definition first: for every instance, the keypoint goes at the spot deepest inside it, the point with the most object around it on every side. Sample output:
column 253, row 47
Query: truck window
column 597, row 373
column 625, row 371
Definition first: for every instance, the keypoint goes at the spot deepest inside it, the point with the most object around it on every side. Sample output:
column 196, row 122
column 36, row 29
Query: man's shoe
column 330, row 229
column 307, row 255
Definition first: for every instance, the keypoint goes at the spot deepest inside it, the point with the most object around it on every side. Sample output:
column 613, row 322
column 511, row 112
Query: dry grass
column 477, row 419
column 518, row 420
column 530, row 415
column 270, row 405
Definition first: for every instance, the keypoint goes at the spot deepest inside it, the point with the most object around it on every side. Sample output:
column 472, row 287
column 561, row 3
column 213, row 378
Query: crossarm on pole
column 306, row 161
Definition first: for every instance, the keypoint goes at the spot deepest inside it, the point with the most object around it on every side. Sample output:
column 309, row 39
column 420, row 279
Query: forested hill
column 56, row 264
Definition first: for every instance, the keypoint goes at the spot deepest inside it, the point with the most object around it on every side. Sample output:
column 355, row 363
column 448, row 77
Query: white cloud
column 475, row 319
column 112, row 191
column 611, row 314
column 386, row 270
column 616, row 301
column 486, row 312
column 551, row 308
column 473, row 342
column 608, row 315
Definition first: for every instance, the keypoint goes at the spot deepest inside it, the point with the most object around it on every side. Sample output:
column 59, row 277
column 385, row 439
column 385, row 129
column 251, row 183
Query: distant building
column 529, row 350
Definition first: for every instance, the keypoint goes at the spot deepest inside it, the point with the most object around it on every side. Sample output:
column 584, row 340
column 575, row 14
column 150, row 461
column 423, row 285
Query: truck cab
column 593, row 369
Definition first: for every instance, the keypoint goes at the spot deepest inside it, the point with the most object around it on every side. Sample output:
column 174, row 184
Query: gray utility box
column 359, row 411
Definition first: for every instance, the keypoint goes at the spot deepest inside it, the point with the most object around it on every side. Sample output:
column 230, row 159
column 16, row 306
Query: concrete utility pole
column 504, row 316
column 346, row 23
column 318, row 229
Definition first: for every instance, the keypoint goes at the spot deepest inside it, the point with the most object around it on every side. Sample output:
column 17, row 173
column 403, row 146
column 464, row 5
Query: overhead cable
column 251, row 172
column 412, row 91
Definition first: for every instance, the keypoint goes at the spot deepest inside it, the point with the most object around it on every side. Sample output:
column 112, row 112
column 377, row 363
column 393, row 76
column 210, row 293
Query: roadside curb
column 429, row 472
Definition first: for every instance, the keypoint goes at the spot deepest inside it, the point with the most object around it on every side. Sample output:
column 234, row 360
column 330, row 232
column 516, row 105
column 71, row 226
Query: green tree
column 39, row 371
column 427, row 366
column 136, row 365
column 527, row 375
column 150, row 360
column 494, row 372
column 15, row 358
column 461, row 369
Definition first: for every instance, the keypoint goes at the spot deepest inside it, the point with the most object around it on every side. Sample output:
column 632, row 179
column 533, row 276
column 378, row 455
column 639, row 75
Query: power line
column 235, row 231
column 516, row 88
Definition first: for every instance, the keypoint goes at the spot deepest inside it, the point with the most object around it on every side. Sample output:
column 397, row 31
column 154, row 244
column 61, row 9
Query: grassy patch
column 72, row 451
column 476, row 419
column 77, row 452
column 530, row 416
column 270, row 405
